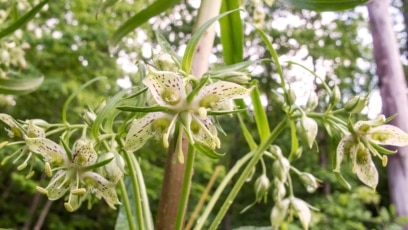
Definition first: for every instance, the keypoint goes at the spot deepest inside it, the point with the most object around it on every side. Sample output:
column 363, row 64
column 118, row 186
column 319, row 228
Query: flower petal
column 84, row 153
column 35, row 131
column 365, row 168
column 343, row 148
column 101, row 187
column 166, row 87
column 279, row 213
column 303, row 212
column 144, row 128
column 11, row 123
column 51, row 151
column 214, row 95
column 388, row 135
column 203, row 131
column 58, row 185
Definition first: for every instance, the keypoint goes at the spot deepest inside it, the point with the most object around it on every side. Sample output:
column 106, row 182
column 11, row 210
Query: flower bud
column 312, row 101
column 303, row 212
column 307, row 128
column 279, row 190
column 276, row 151
column 279, row 213
column 262, row 184
column 356, row 104
column 335, row 96
column 291, row 97
column 309, row 181
column 281, row 168
column 165, row 61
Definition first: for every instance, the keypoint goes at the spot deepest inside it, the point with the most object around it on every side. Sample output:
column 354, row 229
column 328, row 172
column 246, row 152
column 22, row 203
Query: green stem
column 185, row 191
column 143, row 194
column 126, row 203
column 247, row 171
column 215, row 197
column 136, row 190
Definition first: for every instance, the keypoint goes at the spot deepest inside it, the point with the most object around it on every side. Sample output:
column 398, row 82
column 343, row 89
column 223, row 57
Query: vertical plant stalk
column 175, row 172
column 126, row 203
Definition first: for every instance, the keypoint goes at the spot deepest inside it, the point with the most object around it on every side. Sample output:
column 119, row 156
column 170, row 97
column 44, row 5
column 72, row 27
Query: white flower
column 364, row 141
column 186, row 111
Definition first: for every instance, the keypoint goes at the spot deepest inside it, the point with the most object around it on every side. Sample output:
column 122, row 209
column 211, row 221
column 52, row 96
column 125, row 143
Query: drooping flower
column 74, row 174
column 365, row 140
column 185, row 110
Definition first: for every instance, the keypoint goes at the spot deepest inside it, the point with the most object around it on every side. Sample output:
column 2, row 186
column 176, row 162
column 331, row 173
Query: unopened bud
column 335, row 96
column 312, row 101
column 276, row 151
column 307, row 128
column 356, row 104
column 279, row 190
column 291, row 97
column 303, row 212
column 279, row 213
column 281, row 168
column 262, row 184
column 296, row 155
column 309, row 181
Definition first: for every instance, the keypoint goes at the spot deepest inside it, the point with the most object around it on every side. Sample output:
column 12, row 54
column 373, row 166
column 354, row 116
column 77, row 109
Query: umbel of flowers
column 183, row 108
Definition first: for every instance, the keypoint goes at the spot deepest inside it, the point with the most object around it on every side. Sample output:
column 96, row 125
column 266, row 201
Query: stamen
column 47, row 169
column 169, row 130
column 24, row 164
column 68, row 207
column 78, row 191
column 42, row 190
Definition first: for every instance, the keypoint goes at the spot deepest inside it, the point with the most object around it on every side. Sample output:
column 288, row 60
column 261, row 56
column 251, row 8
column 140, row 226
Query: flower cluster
column 364, row 140
column 183, row 110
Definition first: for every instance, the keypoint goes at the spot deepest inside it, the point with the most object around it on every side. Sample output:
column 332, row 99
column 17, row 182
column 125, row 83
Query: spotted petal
column 102, row 188
column 58, row 185
column 144, row 128
column 343, row 148
column 51, row 151
column 216, row 94
column 35, row 131
column 365, row 168
column 388, row 135
column 166, row 87
column 10, row 122
column 204, row 132
column 84, row 153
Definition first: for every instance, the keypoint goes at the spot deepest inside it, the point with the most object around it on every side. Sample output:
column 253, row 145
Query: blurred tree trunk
column 394, row 98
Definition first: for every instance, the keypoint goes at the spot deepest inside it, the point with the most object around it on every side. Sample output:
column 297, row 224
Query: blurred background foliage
column 67, row 44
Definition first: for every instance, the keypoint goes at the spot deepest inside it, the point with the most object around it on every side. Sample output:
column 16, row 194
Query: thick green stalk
column 126, row 204
column 247, row 171
column 185, row 191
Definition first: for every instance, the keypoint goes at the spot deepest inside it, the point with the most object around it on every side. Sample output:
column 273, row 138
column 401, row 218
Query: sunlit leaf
column 23, row 20
column 19, row 86
column 327, row 5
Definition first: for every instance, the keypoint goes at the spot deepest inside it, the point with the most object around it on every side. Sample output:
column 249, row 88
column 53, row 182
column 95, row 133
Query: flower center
column 209, row 100
column 171, row 96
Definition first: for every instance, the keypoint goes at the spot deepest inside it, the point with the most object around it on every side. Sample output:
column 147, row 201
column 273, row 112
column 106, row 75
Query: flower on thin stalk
column 74, row 174
column 365, row 140
column 183, row 112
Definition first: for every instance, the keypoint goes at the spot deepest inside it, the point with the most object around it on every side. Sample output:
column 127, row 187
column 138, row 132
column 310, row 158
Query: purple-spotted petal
column 102, row 188
column 51, row 151
column 365, row 168
column 343, row 148
column 217, row 93
column 144, row 128
column 203, row 131
column 166, row 87
column 388, row 135
column 35, row 131
column 83, row 153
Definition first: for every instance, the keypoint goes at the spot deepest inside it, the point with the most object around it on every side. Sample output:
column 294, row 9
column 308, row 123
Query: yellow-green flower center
column 171, row 96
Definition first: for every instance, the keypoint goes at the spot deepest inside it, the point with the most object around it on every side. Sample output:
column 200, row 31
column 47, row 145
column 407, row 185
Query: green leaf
column 19, row 86
column 23, row 20
column 165, row 45
column 97, row 165
column 232, row 36
column 225, row 112
column 197, row 89
column 326, row 5
column 342, row 181
column 144, row 109
column 192, row 44
column 132, row 23
column 261, row 119
column 207, row 151
column 105, row 5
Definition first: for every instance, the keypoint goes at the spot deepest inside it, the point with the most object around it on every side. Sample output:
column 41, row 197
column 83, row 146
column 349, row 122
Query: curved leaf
column 327, row 5
column 19, row 86
column 132, row 23
column 23, row 20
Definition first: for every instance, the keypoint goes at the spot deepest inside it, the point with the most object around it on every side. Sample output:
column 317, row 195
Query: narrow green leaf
column 165, row 45
column 248, row 136
column 226, row 112
column 97, row 165
column 232, row 35
column 261, row 119
column 197, row 89
column 224, row 70
column 19, row 86
column 23, row 20
column 143, row 16
column 192, row 44
column 143, row 109
column 342, row 181
column 207, row 151
column 74, row 94
column 294, row 140
column 104, row 113
column 326, row 5
column 105, row 5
